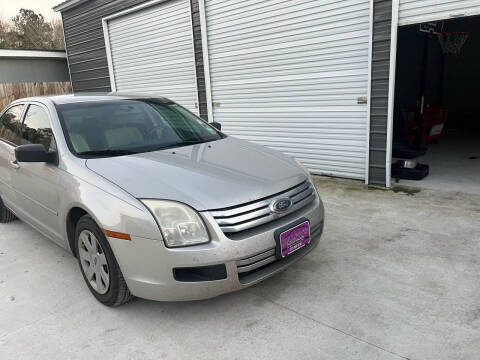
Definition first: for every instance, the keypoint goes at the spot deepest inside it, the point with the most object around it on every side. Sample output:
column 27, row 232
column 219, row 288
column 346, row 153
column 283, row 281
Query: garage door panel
column 292, row 26
column 170, row 65
column 329, row 36
column 419, row 11
column 171, row 32
column 272, row 9
column 167, row 11
column 165, row 75
column 323, row 57
column 288, row 75
column 327, row 76
column 169, row 36
column 266, row 72
column 287, row 98
column 178, row 52
column 347, row 134
column 318, row 56
column 161, row 37
column 306, row 126
column 177, row 43
column 267, row 25
column 170, row 26
column 179, row 55
column 347, row 42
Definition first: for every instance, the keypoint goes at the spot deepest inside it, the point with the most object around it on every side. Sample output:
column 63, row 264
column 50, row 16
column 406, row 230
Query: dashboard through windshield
column 131, row 126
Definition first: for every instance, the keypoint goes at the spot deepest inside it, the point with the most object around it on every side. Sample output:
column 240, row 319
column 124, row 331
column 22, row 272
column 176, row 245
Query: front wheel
column 98, row 264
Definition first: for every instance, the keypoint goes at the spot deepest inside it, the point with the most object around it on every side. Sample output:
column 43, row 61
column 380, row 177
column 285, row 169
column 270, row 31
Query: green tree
column 29, row 30
column 32, row 31
column 6, row 35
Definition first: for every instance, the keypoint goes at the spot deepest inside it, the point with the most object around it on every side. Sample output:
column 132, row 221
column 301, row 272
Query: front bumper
column 147, row 265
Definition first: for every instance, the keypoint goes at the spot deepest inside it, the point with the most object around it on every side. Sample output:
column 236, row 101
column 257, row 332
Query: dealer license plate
column 293, row 239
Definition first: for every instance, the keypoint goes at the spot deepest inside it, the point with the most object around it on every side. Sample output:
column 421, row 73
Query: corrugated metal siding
column 86, row 45
column 288, row 74
column 419, row 11
column 382, row 20
column 152, row 52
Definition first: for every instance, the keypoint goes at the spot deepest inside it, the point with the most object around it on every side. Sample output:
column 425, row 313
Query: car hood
column 206, row 176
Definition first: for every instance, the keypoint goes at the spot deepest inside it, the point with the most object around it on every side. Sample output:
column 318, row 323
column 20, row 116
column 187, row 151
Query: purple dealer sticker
column 295, row 238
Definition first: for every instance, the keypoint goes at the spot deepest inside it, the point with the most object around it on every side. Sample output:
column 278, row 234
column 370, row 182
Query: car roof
column 87, row 97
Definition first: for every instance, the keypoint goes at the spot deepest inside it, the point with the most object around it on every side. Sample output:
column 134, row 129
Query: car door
column 36, row 184
column 10, row 124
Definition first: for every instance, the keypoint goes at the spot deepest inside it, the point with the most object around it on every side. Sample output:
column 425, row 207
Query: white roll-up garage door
column 288, row 75
column 419, row 11
column 152, row 52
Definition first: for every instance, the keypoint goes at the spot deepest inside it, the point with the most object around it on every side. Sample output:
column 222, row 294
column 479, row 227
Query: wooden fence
column 13, row 91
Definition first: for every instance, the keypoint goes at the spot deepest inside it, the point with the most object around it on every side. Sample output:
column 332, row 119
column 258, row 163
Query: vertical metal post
column 108, row 50
column 194, row 57
column 66, row 52
column 391, row 92
column 369, row 94
column 206, row 63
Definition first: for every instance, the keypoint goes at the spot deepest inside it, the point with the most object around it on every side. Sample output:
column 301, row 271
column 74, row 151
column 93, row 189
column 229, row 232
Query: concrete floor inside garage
column 454, row 164
column 395, row 277
column 447, row 85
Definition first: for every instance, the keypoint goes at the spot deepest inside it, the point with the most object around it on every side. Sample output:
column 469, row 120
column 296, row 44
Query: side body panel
column 6, row 191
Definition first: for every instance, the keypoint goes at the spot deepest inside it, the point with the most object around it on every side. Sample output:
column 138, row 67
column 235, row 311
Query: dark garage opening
column 436, row 118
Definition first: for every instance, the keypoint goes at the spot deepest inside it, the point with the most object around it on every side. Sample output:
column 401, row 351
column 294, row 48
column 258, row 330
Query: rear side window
column 10, row 124
column 37, row 128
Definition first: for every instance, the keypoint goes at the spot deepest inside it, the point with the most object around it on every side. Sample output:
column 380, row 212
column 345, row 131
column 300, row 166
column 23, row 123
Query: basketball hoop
column 452, row 42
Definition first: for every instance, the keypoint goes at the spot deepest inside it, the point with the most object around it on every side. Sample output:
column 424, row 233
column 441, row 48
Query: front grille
column 247, row 216
column 249, row 268
column 254, row 262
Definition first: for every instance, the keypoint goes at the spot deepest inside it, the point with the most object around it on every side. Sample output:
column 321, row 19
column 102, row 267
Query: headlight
column 179, row 224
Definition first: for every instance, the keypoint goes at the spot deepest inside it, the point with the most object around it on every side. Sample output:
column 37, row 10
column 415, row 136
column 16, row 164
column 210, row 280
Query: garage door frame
column 391, row 91
column 396, row 23
column 140, row 7
column 208, row 85
column 441, row 15
column 206, row 63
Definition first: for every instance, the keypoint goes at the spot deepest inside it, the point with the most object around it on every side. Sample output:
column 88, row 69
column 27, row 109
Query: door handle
column 14, row 164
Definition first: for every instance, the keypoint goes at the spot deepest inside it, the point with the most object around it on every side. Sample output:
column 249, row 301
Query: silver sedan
column 153, row 201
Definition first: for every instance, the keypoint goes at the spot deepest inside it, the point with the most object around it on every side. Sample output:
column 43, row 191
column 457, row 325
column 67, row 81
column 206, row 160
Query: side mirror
column 34, row 153
column 216, row 125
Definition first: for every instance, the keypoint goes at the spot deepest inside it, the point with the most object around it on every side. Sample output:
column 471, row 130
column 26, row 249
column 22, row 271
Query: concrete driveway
column 396, row 276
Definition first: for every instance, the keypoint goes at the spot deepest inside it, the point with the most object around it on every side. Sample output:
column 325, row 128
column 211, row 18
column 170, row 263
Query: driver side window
column 37, row 128
column 10, row 124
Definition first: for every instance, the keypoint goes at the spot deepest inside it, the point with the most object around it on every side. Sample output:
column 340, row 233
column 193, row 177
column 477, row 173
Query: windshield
column 123, row 127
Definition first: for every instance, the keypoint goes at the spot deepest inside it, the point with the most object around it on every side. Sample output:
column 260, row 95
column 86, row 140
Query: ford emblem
column 281, row 205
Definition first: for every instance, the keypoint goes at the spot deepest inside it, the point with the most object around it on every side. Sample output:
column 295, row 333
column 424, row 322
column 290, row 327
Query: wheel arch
column 73, row 217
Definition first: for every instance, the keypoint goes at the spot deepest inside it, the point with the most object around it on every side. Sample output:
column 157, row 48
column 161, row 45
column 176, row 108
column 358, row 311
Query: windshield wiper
column 180, row 144
column 107, row 152
column 192, row 142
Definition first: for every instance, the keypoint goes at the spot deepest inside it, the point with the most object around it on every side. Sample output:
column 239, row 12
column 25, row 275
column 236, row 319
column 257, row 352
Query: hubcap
column 93, row 261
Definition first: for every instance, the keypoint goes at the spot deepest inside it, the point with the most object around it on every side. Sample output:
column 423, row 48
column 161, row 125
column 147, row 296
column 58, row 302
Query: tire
column 6, row 215
column 98, row 265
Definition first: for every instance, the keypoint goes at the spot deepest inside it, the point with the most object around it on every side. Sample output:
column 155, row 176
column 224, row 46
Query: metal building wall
column 382, row 20
column 419, row 11
column 86, row 45
column 14, row 70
